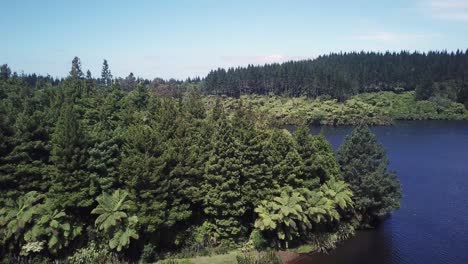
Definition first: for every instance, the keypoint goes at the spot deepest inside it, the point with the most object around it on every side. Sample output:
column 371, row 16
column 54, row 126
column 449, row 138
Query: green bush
column 149, row 253
column 93, row 254
column 258, row 241
column 379, row 108
column 260, row 258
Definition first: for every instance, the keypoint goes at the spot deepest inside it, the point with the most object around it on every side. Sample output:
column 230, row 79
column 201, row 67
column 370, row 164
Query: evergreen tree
column 256, row 174
column 129, row 83
column 71, row 185
column 324, row 162
column 76, row 72
column 147, row 161
column 223, row 203
column 5, row 72
column 7, row 186
column 286, row 161
column 106, row 76
column 364, row 166
column 28, row 160
column 424, row 90
column 306, row 149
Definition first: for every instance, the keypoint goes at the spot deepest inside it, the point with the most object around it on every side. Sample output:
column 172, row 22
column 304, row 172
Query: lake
column 431, row 160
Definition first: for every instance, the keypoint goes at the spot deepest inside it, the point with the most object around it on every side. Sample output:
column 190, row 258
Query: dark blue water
column 431, row 160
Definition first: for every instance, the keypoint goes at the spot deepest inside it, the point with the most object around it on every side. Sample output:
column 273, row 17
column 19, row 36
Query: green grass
column 303, row 249
column 229, row 258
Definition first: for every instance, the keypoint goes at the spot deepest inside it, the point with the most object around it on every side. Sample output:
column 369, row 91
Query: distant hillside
column 345, row 74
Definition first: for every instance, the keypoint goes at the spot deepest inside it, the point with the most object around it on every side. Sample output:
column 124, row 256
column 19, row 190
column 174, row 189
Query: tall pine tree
column 363, row 163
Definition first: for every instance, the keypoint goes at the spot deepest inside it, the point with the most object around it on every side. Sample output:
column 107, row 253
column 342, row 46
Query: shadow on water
column 367, row 247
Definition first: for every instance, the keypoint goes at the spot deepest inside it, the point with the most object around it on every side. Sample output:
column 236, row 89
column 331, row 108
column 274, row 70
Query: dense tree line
column 91, row 170
column 341, row 75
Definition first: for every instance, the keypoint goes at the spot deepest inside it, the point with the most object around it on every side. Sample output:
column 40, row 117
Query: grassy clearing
column 229, row 258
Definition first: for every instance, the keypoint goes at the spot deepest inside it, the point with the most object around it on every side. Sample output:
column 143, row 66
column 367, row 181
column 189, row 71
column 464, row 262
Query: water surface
column 431, row 160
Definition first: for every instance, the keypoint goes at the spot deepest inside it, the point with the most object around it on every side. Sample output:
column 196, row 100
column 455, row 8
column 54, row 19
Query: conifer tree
column 324, row 162
column 106, row 75
column 147, row 161
column 287, row 164
column 305, row 148
column 7, row 186
column 364, row 166
column 71, row 185
column 76, row 72
column 256, row 174
column 29, row 157
column 223, row 203
column 5, row 72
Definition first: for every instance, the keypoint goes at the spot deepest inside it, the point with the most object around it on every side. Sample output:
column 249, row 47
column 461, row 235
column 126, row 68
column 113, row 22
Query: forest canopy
column 100, row 169
column 341, row 75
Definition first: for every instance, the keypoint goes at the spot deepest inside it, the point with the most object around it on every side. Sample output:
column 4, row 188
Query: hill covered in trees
column 94, row 172
column 341, row 75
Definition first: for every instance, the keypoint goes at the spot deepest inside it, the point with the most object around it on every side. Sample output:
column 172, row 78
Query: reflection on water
column 431, row 160
column 366, row 247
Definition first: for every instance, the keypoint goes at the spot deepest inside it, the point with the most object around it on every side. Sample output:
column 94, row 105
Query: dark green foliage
column 287, row 165
column 92, row 170
column 71, row 183
column 106, row 76
column 149, row 253
column 103, row 162
column 324, row 162
column 424, row 90
column 306, row 149
column 221, row 188
column 258, row 241
column 341, row 75
column 364, row 166
column 5, row 72
column 76, row 72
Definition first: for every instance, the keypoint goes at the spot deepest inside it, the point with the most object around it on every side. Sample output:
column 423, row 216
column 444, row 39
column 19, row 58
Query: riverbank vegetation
column 381, row 108
column 92, row 173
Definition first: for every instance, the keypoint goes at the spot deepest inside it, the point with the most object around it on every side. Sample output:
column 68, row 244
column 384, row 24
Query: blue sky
column 188, row 38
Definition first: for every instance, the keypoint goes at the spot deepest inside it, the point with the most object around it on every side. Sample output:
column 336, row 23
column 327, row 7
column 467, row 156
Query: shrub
column 149, row 253
column 92, row 254
column 258, row 241
column 260, row 258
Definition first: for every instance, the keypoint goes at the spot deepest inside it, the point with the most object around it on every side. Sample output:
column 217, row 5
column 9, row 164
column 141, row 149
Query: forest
column 342, row 75
column 108, row 170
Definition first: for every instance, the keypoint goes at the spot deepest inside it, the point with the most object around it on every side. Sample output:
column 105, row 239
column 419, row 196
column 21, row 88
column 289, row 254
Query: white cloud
column 392, row 37
column 455, row 10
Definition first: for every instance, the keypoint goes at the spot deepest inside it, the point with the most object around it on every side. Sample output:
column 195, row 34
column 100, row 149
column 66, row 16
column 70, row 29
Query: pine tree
column 424, row 90
column 223, row 203
column 7, row 186
column 106, row 76
column 256, row 174
column 286, row 161
column 71, row 185
column 306, row 149
column 324, row 162
column 29, row 157
column 364, row 166
column 104, row 159
column 76, row 72
column 148, row 159
column 5, row 72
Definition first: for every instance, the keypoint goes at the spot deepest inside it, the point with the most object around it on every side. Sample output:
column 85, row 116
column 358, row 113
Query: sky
column 180, row 39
